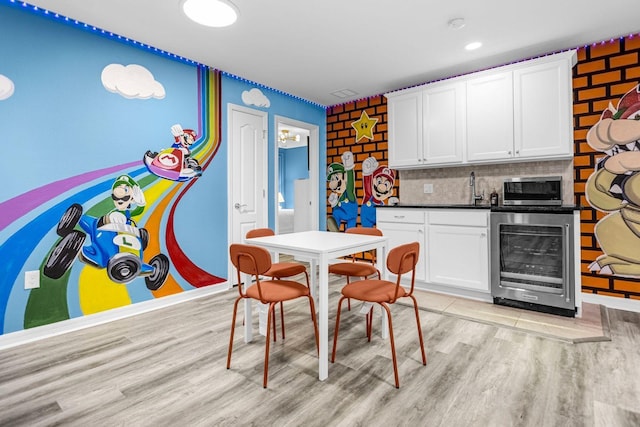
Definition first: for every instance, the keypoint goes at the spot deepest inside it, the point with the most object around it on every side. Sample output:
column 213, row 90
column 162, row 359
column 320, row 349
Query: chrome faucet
column 472, row 183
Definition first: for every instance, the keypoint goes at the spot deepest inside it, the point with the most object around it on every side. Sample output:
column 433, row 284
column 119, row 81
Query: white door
column 247, row 171
column 302, row 205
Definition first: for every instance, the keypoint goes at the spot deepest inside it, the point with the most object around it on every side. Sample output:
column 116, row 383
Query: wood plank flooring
column 167, row 368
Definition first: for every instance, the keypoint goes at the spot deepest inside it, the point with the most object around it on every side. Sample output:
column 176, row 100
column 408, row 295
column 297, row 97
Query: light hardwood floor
column 167, row 368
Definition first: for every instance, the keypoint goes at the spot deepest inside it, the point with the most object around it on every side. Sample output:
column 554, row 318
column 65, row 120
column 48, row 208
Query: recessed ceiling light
column 211, row 13
column 473, row 46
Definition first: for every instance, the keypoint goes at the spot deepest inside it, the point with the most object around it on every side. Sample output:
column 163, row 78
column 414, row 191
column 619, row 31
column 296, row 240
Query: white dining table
column 319, row 247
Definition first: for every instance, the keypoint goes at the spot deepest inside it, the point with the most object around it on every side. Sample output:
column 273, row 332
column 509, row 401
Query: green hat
column 334, row 168
column 124, row 179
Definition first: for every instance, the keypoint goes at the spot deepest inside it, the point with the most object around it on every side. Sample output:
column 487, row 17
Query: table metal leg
column 323, row 314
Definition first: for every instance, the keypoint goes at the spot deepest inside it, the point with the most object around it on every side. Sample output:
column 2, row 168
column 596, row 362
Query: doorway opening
column 296, row 176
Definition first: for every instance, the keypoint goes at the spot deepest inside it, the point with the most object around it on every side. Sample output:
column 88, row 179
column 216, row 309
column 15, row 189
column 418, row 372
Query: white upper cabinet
column 543, row 110
column 521, row 111
column 490, row 117
column 426, row 127
column 443, row 123
column 405, row 130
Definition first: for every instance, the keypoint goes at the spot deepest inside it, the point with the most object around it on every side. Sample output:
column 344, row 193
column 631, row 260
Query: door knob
column 239, row 206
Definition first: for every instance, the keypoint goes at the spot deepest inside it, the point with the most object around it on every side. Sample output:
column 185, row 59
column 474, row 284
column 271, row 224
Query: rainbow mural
column 28, row 233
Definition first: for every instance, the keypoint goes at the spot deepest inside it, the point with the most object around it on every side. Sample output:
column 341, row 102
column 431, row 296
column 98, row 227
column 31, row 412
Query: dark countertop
column 533, row 209
column 443, row 206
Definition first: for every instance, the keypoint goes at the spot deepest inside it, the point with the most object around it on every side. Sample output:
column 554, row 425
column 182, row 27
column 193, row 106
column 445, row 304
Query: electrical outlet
column 32, row 279
column 428, row 188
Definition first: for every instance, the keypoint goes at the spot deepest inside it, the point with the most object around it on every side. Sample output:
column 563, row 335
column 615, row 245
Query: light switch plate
column 32, row 279
column 428, row 188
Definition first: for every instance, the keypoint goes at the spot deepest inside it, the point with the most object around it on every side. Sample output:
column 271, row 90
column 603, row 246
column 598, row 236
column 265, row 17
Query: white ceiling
column 312, row 48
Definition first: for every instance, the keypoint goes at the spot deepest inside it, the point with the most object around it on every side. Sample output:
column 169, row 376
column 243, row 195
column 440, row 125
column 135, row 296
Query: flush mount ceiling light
column 211, row 13
column 473, row 46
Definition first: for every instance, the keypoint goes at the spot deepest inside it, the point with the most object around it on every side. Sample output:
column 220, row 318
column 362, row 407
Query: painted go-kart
column 170, row 163
column 116, row 246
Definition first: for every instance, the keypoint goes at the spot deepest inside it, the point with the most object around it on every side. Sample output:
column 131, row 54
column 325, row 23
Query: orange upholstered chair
column 256, row 261
column 279, row 270
column 356, row 268
column 401, row 259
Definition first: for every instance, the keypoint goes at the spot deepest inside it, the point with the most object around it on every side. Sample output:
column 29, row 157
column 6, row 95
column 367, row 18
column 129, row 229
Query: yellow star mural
column 364, row 126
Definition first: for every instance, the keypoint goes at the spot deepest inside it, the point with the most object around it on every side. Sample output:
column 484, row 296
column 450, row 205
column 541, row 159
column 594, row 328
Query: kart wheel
column 160, row 264
column 69, row 219
column 192, row 163
column 63, row 254
column 123, row 267
column 144, row 237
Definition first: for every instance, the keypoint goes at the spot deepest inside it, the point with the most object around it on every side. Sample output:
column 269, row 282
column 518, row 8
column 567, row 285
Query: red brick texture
column 341, row 137
column 604, row 73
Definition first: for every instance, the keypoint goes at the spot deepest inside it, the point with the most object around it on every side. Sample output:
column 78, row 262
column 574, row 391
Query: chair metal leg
column 270, row 315
column 233, row 328
column 369, row 321
column 281, row 320
column 415, row 307
column 312, row 306
column 393, row 345
column 274, row 324
column 335, row 332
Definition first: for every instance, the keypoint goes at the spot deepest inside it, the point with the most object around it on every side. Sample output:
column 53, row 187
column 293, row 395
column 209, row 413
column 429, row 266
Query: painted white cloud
column 6, row 87
column 255, row 97
column 132, row 82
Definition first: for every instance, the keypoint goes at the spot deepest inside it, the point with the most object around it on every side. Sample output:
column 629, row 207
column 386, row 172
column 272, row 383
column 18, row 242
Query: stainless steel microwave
column 534, row 191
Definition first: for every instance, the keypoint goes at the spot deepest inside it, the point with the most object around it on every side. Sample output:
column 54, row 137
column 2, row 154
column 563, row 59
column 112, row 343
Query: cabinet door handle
column 398, row 216
column 509, row 152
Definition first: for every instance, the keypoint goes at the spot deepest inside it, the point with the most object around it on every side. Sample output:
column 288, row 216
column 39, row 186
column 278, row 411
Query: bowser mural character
column 117, row 243
column 377, row 183
column 175, row 163
column 341, row 179
column 614, row 187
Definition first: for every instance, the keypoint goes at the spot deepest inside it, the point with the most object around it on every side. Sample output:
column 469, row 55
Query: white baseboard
column 612, row 302
column 29, row 335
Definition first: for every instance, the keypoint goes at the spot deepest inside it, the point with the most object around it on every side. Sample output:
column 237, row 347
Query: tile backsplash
column 451, row 184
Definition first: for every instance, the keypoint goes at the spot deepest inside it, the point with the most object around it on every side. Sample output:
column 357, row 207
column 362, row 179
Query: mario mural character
column 341, row 179
column 614, row 187
column 175, row 163
column 378, row 186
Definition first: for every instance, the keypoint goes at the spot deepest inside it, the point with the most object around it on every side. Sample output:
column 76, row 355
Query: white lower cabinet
column 454, row 246
column 459, row 256
column 404, row 226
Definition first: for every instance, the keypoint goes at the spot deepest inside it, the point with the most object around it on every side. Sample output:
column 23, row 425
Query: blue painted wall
column 65, row 140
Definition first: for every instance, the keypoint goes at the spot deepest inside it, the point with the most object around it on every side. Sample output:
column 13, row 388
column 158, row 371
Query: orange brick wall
column 341, row 137
column 604, row 73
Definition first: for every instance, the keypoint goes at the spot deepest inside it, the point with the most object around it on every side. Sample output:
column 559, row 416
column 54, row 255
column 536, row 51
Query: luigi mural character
column 128, row 200
column 116, row 242
column 341, row 179
column 378, row 183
